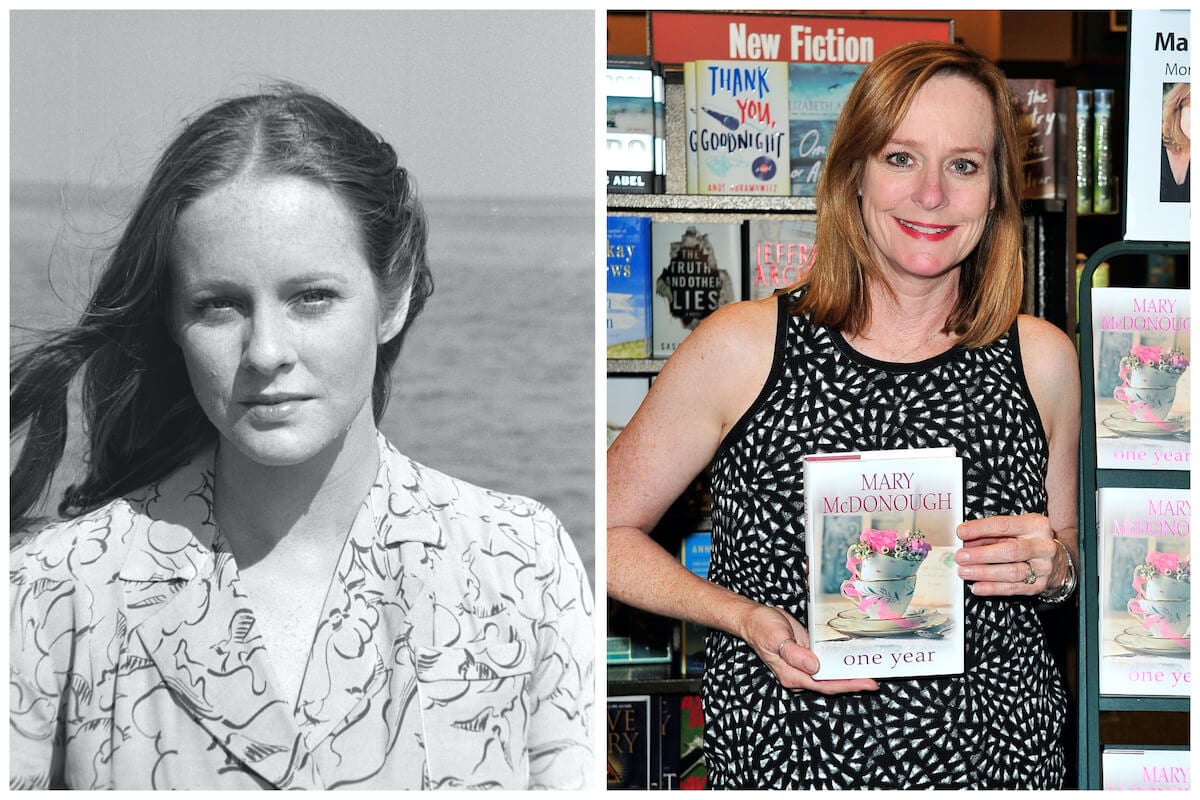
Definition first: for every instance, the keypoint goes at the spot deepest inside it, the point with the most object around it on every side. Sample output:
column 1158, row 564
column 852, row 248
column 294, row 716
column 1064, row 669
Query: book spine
column 1083, row 151
column 1102, row 196
column 660, row 130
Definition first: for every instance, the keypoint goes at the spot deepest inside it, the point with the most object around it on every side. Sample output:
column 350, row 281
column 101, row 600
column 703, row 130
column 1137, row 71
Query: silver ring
column 1032, row 576
column 779, row 650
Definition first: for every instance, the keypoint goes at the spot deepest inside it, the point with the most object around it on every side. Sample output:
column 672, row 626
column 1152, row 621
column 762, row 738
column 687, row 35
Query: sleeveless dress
column 996, row 726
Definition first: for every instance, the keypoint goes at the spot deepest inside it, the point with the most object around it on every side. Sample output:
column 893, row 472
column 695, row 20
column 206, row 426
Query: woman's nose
column 930, row 192
column 269, row 344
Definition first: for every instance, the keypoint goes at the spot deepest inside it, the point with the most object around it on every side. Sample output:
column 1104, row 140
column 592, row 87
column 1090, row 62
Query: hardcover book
column 885, row 599
column 1145, row 577
column 691, row 134
column 1143, row 384
column 741, row 127
column 629, row 136
column 624, row 394
column 629, row 742
column 1158, row 154
column 693, row 774
column 1146, row 769
column 1037, row 100
column 816, row 93
column 696, row 553
column 697, row 269
column 628, row 316
column 781, row 251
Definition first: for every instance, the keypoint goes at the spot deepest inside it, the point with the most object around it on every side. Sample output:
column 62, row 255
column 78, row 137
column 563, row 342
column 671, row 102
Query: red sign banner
column 679, row 36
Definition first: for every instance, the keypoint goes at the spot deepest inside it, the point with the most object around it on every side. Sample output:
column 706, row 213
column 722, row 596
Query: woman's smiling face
column 926, row 195
column 278, row 316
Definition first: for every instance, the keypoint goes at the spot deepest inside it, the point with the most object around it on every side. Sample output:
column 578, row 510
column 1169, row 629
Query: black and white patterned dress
column 996, row 726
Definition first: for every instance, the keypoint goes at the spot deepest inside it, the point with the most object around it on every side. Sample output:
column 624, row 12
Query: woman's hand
column 782, row 643
column 1010, row 555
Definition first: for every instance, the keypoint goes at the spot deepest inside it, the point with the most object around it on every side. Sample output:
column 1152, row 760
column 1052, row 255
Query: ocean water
column 496, row 382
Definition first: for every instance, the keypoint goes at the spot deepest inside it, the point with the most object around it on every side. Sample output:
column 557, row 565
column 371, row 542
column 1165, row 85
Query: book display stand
column 1092, row 479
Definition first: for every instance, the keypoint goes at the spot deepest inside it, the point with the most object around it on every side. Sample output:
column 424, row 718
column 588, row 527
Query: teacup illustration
column 1148, row 379
column 886, row 598
column 1165, row 619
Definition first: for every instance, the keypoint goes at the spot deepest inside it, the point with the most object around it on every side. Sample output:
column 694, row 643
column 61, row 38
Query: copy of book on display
column 628, row 315
column 1037, row 99
column 629, row 136
column 660, row 129
column 781, row 251
column 667, row 751
column 1146, row 769
column 885, row 599
column 624, row 394
column 741, row 127
column 1158, row 169
column 630, row 740
column 697, row 269
column 690, row 140
column 1145, row 576
column 1141, row 358
column 693, row 774
column 695, row 554
column 816, row 94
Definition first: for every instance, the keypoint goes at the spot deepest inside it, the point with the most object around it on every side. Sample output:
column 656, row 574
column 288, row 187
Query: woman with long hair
column 249, row 586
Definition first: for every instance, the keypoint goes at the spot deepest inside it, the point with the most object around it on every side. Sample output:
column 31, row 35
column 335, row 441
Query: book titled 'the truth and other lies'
column 885, row 599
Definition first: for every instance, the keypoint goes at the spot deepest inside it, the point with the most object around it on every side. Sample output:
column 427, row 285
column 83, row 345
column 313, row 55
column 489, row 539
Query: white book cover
column 885, row 599
column 1145, row 574
column 1141, row 358
column 625, row 394
column 1158, row 165
column 1146, row 769
column 697, row 267
column 742, row 127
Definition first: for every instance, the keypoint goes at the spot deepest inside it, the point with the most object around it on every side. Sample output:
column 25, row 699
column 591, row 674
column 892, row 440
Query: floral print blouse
column 455, row 649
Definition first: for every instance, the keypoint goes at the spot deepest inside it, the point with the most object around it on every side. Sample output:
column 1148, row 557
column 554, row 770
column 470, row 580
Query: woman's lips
column 927, row 233
column 273, row 408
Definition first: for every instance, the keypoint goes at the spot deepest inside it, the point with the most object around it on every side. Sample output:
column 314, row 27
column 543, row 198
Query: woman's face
column 925, row 196
column 278, row 317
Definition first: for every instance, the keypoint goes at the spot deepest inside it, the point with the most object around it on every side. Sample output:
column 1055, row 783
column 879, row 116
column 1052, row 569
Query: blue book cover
column 697, row 548
column 628, row 321
column 816, row 94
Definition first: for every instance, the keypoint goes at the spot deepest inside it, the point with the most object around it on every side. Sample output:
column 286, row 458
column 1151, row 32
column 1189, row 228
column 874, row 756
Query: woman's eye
column 213, row 306
column 899, row 159
column 964, row 166
column 315, row 300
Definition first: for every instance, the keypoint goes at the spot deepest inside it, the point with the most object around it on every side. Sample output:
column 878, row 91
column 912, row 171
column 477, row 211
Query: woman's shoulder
column 455, row 498
column 1045, row 346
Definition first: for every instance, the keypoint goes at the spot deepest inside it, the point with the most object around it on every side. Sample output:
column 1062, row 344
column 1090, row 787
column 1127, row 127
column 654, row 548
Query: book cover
column 1143, row 384
column 628, row 316
column 624, row 394
column 629, row 742
column 741, row 127
column 1037, row 99
column 1146, row 769
column 1158, row 152
column 697, row 269
column 660, row 128
column 781, row 250
column 629, row 136
column 689, row 127
column 666, row 722
column 885, row 599
column 1145, row 574
column 695, row 554
column 816, row 93
column 692, row 771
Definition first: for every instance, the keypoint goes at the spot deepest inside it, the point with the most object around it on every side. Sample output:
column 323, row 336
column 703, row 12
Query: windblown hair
column 140, row 415
column 990, row 278
column 1173, row 135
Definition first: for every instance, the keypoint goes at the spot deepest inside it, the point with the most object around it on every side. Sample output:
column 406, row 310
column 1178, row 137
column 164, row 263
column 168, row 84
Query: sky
column 477, row 103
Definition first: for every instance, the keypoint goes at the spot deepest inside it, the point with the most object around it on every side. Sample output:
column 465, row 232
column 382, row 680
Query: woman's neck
column 261, row 508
